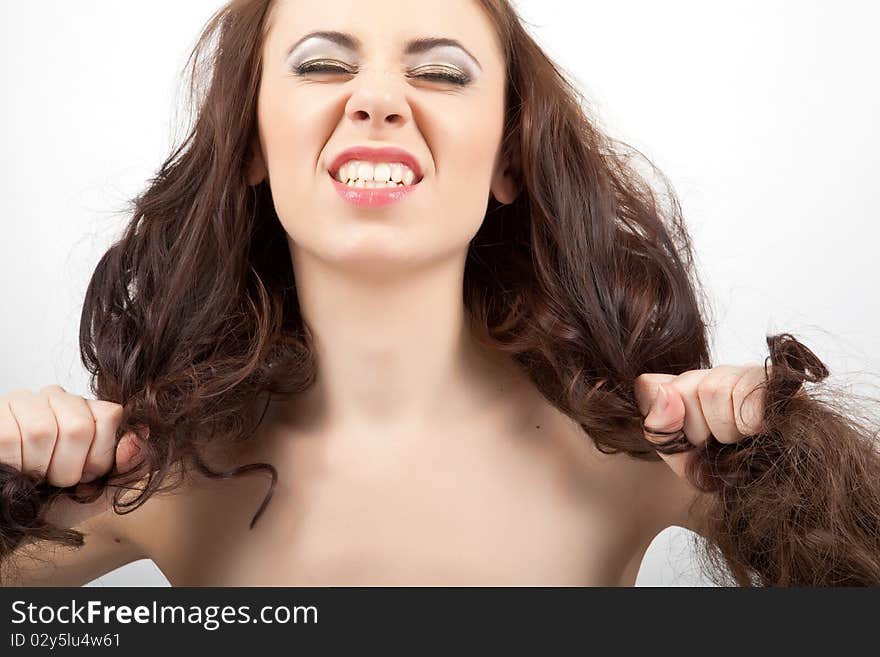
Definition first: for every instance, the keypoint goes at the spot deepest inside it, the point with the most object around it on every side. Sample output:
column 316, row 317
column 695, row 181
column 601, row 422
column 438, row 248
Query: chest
column 463, row 514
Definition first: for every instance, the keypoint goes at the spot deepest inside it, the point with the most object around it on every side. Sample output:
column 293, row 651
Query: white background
column 763, row 115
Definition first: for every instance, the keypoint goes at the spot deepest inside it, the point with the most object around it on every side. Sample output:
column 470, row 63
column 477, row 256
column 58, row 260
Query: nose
column 378, row 102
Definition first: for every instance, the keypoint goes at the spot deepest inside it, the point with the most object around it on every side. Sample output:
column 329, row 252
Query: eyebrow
column 413, row 46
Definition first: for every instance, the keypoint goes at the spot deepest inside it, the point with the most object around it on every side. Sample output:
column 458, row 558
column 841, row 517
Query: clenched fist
column 64, row 439
column 726, row 401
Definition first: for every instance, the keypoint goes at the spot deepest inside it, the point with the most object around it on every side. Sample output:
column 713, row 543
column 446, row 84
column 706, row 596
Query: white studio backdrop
column 763, row 114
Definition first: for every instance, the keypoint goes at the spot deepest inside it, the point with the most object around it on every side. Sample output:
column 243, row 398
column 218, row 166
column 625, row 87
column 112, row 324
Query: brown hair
column 586, row 279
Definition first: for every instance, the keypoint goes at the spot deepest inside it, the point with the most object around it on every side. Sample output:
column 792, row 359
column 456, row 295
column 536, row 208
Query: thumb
column 664, row 428
column 129, row 448
column 646, row 387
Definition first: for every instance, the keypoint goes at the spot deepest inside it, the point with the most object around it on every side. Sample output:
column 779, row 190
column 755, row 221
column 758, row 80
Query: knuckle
column 709, row 391
column 80, row 430
column 719, row 386
column 40, row 431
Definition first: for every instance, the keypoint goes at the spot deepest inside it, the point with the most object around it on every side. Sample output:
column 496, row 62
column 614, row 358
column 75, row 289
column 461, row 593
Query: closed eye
column 443, row 75
column 438, row 74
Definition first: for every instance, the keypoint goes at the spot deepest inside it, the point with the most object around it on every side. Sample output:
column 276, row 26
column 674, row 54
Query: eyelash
column 452, row 78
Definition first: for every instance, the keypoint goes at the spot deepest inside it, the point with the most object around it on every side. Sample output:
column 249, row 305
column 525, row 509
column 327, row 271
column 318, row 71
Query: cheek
column 292, row 134
column 466, row 152
column 289, row 139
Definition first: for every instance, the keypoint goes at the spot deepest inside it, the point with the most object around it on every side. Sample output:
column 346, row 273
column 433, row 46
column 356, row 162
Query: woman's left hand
column 702, row 402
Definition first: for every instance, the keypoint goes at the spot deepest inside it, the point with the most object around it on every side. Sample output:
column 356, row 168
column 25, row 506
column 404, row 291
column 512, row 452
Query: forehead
column 385, row 23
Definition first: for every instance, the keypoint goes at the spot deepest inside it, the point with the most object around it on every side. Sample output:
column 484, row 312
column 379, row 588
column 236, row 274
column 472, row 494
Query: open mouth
column 360, row 174
column 371, row 193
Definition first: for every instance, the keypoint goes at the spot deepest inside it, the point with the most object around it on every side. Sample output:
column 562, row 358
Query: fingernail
column 662, row 400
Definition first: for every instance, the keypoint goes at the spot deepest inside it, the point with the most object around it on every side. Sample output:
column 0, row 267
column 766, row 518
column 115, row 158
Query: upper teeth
column 361, row 172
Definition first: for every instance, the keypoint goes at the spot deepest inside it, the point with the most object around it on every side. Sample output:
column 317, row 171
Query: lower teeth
column 372, row 184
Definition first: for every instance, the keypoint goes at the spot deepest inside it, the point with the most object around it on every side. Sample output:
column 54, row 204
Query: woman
column 447, row 378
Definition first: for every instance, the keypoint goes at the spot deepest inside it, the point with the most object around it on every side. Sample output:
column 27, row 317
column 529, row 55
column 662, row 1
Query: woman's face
column 453, row 130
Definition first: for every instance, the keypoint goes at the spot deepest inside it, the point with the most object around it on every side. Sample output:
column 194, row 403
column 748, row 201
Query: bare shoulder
column 647, row 493
column 664, row 499
column 147, row 526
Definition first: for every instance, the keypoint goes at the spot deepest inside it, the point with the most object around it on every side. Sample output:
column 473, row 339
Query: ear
column 503, row 187
column 256, row 169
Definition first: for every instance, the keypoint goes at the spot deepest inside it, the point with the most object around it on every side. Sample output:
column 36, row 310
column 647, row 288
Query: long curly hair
column 587, row 280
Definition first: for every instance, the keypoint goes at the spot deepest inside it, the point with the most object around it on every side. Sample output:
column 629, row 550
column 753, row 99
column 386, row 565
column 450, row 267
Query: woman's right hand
column 65, row 440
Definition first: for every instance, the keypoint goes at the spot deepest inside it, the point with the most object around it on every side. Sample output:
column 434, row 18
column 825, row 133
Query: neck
column 393, row 352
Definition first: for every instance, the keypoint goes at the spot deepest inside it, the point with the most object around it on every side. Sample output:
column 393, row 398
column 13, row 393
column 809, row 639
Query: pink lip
column 385, row 154
column 372, row 198
column 376, row 197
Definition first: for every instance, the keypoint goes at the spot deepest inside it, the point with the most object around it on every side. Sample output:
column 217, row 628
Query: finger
column 695, row 426
column 10, row 436
column 38, row 427
column 76, row 429
column 715, row 393
column 749, row 397
column 646, row 387
column 102, row 455
column 664, row 424
column 128, row 451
